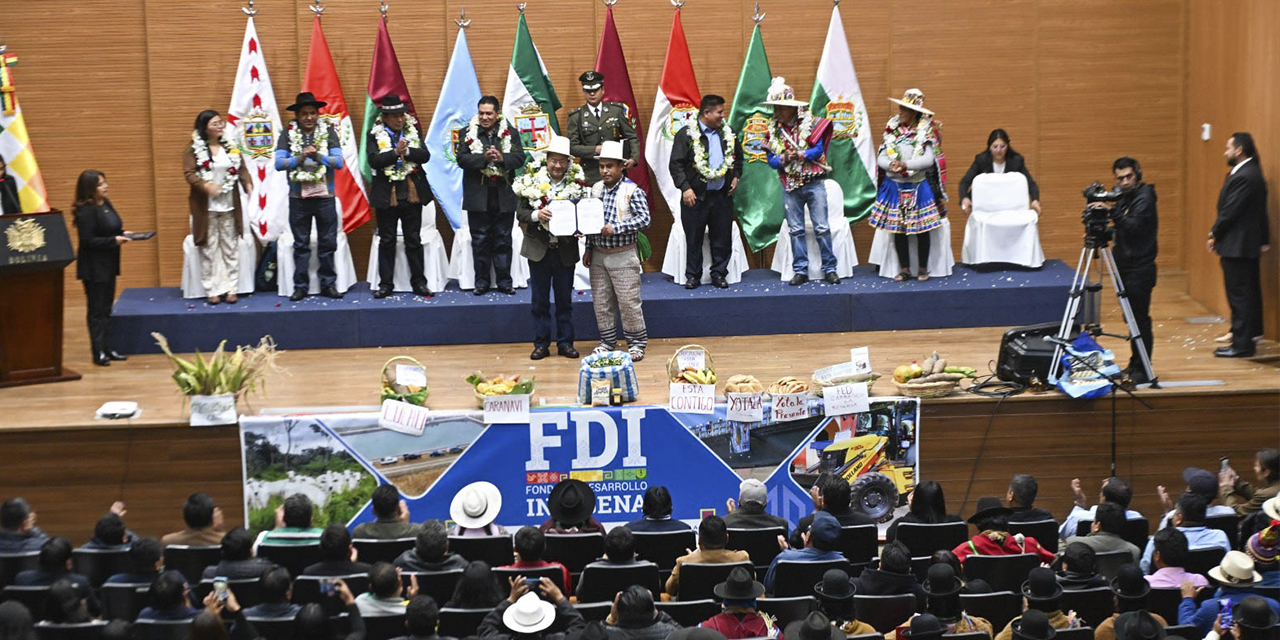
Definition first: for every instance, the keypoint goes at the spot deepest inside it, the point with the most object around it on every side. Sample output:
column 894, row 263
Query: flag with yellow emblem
column 15, row 145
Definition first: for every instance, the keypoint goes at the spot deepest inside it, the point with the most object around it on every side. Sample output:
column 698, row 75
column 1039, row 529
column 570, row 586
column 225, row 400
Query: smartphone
column 1223, row 463
column 533, row 582
column 1224, row 608
column 220, row 588
column 326, row 586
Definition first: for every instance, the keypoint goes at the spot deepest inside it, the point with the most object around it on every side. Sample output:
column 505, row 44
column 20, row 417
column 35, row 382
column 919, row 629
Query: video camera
column 1097, row 220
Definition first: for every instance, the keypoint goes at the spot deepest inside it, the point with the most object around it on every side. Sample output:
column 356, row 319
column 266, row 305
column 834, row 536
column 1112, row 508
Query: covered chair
column 462, row 266
column 1002, row 228
column 343, row 266
column 673, row 263
column 192, row 263
column 435, row 260
column 841, row 241
column 941, row 258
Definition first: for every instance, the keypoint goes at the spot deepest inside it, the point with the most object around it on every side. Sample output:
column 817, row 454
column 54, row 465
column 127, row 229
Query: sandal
column 214, row 299
column 231, row 298
column 903, row 275
column 924, row 276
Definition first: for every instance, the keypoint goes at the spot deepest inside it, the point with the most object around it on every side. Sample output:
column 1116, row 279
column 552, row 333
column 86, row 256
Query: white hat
column 912, row 99
column 782, row 95
column 530, row 614
column 476, row 505
column 1235, row 570
column 1272, row 508
column 611, row 150
column 559, row 144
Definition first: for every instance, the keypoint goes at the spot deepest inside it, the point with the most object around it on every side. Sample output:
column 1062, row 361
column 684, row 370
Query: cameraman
column 1136, row 225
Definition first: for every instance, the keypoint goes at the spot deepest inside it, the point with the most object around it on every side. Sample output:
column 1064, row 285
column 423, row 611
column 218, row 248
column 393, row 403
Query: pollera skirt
column 905, row 207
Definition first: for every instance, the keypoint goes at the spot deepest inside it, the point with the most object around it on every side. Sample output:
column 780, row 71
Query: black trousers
column 325, row 212
column 491, row 245
column 714, row 212
column 409, row 216
column 1138, row 283
column 546, row 277
column 98, row 297
column 1244, row 293
column 902, row 245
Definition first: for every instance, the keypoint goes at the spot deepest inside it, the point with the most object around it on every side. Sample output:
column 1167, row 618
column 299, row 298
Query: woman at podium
column 98, row 258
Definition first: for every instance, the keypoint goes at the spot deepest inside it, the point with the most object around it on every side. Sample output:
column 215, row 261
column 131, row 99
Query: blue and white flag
column 454, row 110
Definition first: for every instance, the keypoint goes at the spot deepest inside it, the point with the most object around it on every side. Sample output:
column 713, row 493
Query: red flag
column 384, row 78
column 613, row 64
column 322, row 80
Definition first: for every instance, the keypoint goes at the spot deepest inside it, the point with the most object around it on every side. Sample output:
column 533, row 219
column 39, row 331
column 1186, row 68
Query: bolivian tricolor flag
column 15, row 146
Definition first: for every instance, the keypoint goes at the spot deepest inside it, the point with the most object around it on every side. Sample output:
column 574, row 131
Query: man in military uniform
column 596, row 122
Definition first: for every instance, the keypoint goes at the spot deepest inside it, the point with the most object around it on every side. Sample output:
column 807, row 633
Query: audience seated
column 18, row 530
column 814, row 626
column 1022, row 496
column 530, row 544
column 1077, row 568
column 834, row 499
column 1254, row 620
column 1188, row 517
column 894, row 576
column 634, row 617
column 835, row 600
column 526, row 616
column 430, row 551
column 993, row 539
column 338, row 556
column 925, row 505
column 118, row 629
column 1263, row 547
column 237, row 561
column 293, row 523
column 146, row 558
column 313, row 623
column 110, row 532
column 1169, row 559
column 170, row 599
column 54, row 565
column 748, row 512
column 1114, row 491
column 1042, row 596
column 1201, row 482
column 1236, row 579
column 619, row 550
column 386, row 595
column 1106, row 530
column 65, row 605
column 277, row 593
column 942, row 589
column 391, row 517
column 1135, row 625
column 1131, row 591
column 1243, row 496
column 921, row 626
column 420, row 618
column 820, row 543
column 712, row 538
column 740, row 619
column 474, row 510
column 204, row 523
column 657, row 508
column 571, row 503
column 476, row 589
column 945, row 556
column 16, row 622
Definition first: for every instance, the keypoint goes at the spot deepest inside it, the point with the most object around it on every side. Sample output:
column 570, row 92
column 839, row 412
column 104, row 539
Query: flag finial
column 521, row 6
column 317, row 8
column 758, row 16
column 462, row 21
column 383, row 8
column 249, row 10
column 609, row 3
column 677, row 3
column 835, row 2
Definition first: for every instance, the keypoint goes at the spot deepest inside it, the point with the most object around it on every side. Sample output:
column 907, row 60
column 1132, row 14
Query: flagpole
column 317, row 8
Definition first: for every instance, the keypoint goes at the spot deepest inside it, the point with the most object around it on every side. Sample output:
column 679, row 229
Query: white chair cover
column 841, row 241
column 191, row 265
column 462, row 266
column 673, row 263
column 435, row 259
column 1003, row 227
column 581, row 273
column 941, row 260
column 343, row 266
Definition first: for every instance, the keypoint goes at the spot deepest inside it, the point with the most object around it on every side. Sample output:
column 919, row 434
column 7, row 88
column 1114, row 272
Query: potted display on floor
column 215, row 384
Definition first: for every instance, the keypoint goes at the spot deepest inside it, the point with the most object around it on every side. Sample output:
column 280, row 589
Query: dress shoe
column 422, row 290
column 1232, row 352
column 692, row 283
column 331, row 292
column 298, row 294
column 567, row 351
column 117, row 356
column 509, row 290
column 539, row 352
column 231, row 298
column 719, row 282
column 102, row 359
column 480, row 290
column 831, row 278
column 382, row 292
column 798, row 279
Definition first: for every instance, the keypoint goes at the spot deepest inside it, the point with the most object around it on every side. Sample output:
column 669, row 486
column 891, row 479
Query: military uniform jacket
column 585, row 131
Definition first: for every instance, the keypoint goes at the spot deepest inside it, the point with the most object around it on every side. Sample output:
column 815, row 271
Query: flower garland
column 204, row 164
column 320, row 141
column 475, row 146
column 536, row 186
column 779, row 146
column 398, row 170
column 927, row 132
column 701, row 157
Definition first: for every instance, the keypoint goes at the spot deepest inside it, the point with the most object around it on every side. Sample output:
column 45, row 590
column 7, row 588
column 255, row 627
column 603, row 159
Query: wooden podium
column 34, row 249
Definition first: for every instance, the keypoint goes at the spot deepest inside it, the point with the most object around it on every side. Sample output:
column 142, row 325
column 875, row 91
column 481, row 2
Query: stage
column 759, row 305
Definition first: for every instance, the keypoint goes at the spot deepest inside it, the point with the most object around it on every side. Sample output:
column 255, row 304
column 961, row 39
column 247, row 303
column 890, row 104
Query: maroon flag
column 617, row 88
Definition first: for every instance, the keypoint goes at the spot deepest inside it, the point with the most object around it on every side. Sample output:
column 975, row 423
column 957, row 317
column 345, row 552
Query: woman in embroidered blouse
column 213, row 167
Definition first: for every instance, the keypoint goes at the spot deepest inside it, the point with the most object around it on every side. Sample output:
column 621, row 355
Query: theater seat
column 841, row 240
column 1002, row 228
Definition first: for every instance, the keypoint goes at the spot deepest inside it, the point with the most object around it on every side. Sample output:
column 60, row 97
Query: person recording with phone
column 1136, row 229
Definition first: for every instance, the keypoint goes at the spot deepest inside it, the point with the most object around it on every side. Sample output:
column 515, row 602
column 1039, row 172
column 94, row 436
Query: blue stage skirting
column 761, row 304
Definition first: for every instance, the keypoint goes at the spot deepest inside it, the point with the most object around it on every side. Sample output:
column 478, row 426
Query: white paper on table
column 691, row 359
column 564, row 220
column 590, row 215
column 861, row 359
column 410, row 375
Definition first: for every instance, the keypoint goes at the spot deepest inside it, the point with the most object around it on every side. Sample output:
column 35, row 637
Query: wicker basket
column 392, row 390
column 928, row 389
column 673, row 372
column 817, row 386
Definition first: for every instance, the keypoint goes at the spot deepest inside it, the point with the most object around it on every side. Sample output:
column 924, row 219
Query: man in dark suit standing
column 551, row 258
column 398, row 193
column 1239, row 235
column 488, row 151
column 706, row 170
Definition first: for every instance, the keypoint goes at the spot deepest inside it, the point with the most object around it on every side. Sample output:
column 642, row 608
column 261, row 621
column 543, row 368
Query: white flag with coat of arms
column 256, row 122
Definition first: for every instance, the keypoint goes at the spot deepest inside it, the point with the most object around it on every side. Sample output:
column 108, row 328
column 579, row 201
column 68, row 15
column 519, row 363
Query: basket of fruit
column 743, row 384
column 692, row 375
column 497, row 386
column 396, row 387
column 788, row 385
column 933, row 378
column 611, row 369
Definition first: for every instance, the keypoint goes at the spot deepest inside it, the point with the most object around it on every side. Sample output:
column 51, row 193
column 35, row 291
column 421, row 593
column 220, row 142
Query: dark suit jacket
column 9, row 195
column 336, row 568
column 1242, row 226
column 982, row 163
column 683, row 173
column 537, row 239
column 380, row 189
column 476, row 185
column 98, row 258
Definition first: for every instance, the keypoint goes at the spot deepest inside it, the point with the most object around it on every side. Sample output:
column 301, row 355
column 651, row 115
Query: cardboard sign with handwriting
column 790, row 406
column 845, row 399
column 693, row 398
column 744, row 407
column 506, row 408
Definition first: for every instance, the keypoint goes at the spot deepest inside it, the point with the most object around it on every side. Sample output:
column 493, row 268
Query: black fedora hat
column 835, row 585
column 925, row 625
column 1129, row 583
column 988, row 507
column 942, row 580
column 1138, row 625
column 571, row 501
column 1254, row 613
column 1042, row 586
column 1033, row 625
column 814, row 626
column 739, row 586
column 306, row 99
column 392, row 103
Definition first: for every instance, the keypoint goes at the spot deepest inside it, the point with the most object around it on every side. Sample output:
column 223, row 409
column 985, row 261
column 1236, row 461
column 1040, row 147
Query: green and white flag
column 758, row 199
column 530, row 102
column 837, row 96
